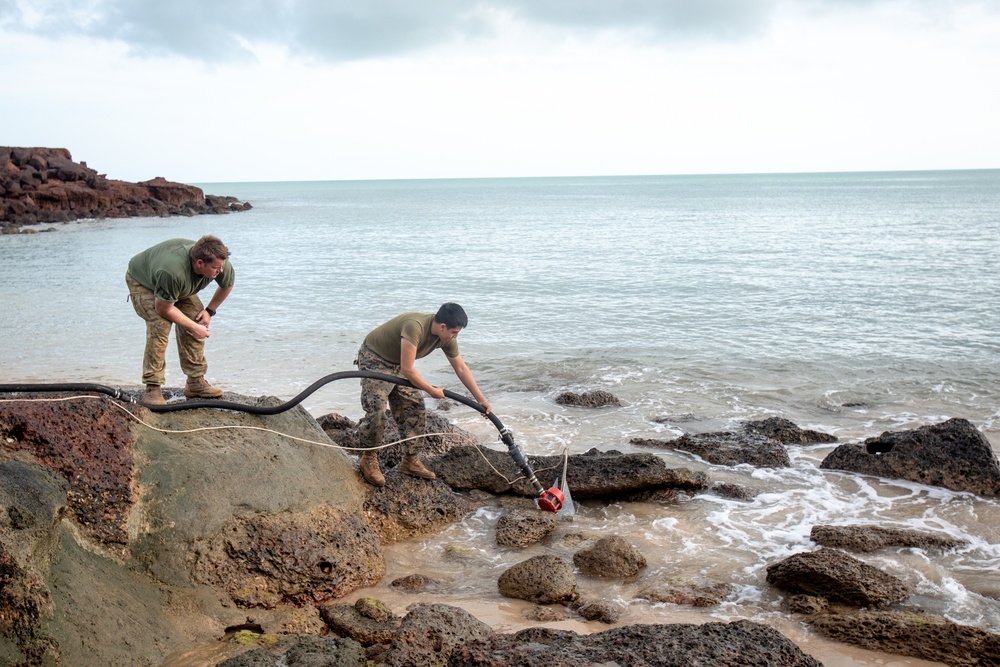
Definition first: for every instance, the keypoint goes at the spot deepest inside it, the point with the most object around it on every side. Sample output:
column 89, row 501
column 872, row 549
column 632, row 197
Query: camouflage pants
column 190, row 350
column 406, row 403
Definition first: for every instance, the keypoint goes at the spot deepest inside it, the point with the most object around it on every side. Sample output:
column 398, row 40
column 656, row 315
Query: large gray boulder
column 540, row 579
column 122, row 541
column 953, row 454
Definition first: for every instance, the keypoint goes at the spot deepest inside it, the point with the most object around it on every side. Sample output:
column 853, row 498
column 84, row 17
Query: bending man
column 392, row 349
column 163, row 283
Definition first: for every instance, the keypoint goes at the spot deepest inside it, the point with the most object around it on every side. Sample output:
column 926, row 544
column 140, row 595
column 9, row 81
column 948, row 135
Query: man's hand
column 203, row 318
column 436, row 392
column 486, row 405
column 198, row 331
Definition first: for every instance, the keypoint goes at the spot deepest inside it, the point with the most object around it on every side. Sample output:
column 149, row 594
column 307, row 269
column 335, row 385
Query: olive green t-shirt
column 414, row 327
column 165, row 268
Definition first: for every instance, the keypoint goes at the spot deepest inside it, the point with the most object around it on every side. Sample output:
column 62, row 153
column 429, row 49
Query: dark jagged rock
column 734, row 491
column 46, row 185
column 787, row 432
column 593, row 475
column 429, row 633
column 953, row 454
column 698, row 592
column 408, row 507
column 871, row 538
column 737, row 644
column 540, row 579
column 758, row 443
column 412, row 583
column 589, row 399
column 519, row 529
column 725, row 448
column 838, row 577
column 611, row 556
column 916, row 634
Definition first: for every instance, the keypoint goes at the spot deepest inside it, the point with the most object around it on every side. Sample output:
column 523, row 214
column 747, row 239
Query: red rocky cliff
column 46, row 185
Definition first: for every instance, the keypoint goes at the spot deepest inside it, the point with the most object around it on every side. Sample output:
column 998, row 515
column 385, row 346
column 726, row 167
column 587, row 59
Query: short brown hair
column 208, row 249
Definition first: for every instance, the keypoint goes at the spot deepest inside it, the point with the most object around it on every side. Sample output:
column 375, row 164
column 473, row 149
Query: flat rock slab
column 738, row 644
column 872, row 538
column 838, row 577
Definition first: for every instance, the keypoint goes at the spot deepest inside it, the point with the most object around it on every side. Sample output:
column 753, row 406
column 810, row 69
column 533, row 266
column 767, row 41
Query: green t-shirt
column 166, row 269
column 414, row 327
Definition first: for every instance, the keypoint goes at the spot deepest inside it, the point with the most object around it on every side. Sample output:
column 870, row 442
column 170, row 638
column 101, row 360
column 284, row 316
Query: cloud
column 344, row 30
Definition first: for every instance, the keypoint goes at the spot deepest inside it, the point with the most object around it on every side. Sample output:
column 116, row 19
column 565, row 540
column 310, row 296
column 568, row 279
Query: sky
column 286, row 90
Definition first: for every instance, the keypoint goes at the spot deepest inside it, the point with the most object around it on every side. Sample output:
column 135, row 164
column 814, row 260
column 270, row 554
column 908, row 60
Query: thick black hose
column 505, row 434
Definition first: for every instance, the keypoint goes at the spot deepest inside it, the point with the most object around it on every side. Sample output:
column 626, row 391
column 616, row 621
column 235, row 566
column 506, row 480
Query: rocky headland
column 126, row 535
column 45, row 185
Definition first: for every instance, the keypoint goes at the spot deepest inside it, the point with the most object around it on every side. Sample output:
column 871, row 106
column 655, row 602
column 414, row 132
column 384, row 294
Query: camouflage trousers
column 406, row 403
column 190, row 350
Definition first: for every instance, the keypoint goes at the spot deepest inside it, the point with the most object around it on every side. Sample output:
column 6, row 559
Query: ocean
column 851, row 303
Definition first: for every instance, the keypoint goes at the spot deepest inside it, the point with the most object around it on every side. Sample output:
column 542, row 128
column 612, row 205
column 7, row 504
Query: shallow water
column 848, row 303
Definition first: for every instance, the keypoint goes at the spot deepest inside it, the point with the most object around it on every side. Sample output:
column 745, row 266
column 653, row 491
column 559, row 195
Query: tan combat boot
column 369, row 469
column 153, row 395
column 411, row 465
column 200, row 388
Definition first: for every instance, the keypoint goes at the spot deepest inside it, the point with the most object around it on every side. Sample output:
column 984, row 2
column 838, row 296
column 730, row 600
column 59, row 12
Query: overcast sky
column 223, row 90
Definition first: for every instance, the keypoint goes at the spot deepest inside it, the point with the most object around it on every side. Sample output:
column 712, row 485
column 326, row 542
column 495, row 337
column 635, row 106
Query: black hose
column 115, row 392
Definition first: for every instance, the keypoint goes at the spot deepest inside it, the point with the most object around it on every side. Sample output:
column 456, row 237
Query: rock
column 518, row 529
column 46, row 185
column 786, row 432
column 150, row 539
column 367, row 621
column 589, row 399
column 806, row 604
column 953, row 454
column 546, row 613
column 307, row 651
column 699, row 592
column 540, row 579
column 603, row 611
column 871, row 538
column 915, row 634
column 429, row 633
column 838, row 577
column 734, row 491
column 737, row 644
column 255, row 657
column 724, row 448
column 592, row 475
column 408, row 507
column 292, row 558
column 412, row 583
column 611, row 557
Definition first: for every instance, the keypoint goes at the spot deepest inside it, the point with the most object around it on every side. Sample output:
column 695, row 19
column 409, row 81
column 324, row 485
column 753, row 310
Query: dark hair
column 452, row 315
column 208, row 249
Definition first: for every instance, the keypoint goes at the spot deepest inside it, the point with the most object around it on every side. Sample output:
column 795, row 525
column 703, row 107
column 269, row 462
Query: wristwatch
column 210, row 312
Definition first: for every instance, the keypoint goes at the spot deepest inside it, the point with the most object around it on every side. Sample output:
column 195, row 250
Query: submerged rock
column 838, row 577
column 871, row 538
column 725, row 448
column 787, row 432
column 519, row 529
column 699, row 592
column 589, row 399
column 737, row 644
column 953, row 454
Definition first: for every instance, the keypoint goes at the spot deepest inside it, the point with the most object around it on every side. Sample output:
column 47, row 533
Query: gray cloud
column 338, row 30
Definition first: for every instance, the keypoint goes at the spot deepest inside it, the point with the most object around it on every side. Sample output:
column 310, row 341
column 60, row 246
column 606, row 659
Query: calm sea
column 852, row 303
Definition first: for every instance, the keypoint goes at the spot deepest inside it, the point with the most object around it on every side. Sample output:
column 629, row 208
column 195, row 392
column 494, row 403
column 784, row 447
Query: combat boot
column 411, row 465
column 200, row 388
column 153, row 395
column 369, row 469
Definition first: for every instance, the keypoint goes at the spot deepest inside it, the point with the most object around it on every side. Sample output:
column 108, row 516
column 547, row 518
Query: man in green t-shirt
column 392, row 349
column 163, row 283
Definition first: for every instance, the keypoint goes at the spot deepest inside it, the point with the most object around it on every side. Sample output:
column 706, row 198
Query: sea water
column 851, row 303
